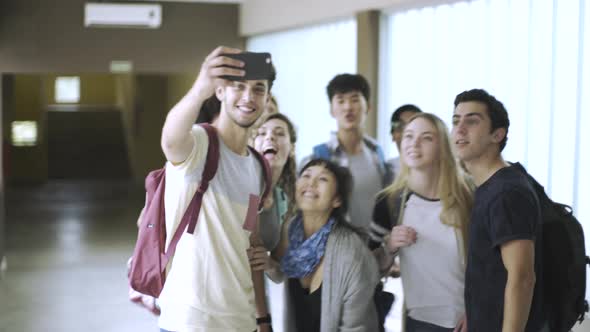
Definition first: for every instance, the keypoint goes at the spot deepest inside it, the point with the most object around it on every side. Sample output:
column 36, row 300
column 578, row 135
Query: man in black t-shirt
column 503, row 276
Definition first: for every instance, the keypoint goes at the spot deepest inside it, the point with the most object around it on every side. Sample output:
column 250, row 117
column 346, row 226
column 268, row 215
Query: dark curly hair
column 496, row 110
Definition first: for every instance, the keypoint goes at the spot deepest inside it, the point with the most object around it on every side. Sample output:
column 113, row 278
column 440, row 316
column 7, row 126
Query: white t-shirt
column 209, row 285
column 432, row 269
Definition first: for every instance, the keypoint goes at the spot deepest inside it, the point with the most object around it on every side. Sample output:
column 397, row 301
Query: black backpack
column 564, row 261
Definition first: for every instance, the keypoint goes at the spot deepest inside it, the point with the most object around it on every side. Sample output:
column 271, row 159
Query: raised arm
column 177, row 142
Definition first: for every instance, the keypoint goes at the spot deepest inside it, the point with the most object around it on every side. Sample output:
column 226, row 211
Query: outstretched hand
column 215, row 66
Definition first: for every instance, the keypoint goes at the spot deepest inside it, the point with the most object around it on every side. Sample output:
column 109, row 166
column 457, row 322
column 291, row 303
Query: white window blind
column 533, row 55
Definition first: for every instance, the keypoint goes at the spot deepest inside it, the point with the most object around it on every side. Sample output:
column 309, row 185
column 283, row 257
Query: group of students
column 462, row 221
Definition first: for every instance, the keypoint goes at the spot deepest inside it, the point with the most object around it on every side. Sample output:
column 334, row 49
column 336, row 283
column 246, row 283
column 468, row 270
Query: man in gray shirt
column 350, row 147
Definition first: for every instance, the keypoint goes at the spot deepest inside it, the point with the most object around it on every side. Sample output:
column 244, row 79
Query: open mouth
column 309, row 194
column 269, row 152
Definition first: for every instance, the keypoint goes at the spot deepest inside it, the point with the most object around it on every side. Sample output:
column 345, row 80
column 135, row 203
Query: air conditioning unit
column 122, row 15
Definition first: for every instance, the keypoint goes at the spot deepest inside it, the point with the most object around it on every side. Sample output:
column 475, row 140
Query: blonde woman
column 430, row 233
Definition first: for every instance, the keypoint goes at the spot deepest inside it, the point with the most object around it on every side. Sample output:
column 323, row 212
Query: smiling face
column 244, row 101
column 316, row 190
column 274, row 142
column 420, row 146
column 472, row 137
column 349, row 109
column 397, row 131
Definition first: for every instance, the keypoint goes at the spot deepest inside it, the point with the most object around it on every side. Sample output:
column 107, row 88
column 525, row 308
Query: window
column 306, row 60
column 24, row 133
column 533, row 55
column 67, row 89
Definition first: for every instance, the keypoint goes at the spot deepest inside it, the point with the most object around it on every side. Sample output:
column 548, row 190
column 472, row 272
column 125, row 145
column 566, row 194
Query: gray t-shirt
column 367, row 183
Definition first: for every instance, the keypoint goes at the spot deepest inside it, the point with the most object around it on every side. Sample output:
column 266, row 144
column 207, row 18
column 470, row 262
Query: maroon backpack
column 147, row 272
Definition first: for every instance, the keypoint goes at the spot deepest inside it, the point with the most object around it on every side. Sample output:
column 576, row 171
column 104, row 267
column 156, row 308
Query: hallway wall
column 24, row 102
column 38, row 36
column 2, row 214
column 145, row 101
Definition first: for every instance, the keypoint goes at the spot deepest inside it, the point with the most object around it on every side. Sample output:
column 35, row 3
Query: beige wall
column 144, row 105
column 2, row 223
column 261, row 16
column 145, row 101
column 27, row 163
column 39, row 36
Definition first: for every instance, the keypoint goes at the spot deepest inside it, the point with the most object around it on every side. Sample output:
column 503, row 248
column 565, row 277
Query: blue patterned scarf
column 303, row 255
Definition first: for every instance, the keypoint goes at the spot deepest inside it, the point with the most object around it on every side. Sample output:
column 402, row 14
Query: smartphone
column 258, row 66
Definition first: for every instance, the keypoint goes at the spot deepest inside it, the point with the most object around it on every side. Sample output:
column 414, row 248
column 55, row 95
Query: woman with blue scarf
column 332, row 274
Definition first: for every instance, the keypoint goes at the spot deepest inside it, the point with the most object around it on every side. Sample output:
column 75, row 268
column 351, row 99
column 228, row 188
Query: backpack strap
column 192, row 212
column 397, row 205
column 267, row 176
column 322, row 151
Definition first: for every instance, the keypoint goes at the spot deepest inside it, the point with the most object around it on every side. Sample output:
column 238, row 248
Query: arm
column 379, row 230
column 276, row 274
column 176, row 141
column 260, row 260
column 518, row 257
column 259, row 288
column 358, row 308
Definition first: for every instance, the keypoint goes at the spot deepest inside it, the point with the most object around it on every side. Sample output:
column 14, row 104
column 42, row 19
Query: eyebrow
column 424, row 133
column 479, row 115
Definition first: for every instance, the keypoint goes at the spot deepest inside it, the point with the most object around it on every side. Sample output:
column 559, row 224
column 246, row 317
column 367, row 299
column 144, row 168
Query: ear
column 220, row 93
column 332, row 110
column 498, row 135
column 336, row 202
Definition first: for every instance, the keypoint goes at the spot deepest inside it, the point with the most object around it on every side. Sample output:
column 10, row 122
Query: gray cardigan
column 348, row 284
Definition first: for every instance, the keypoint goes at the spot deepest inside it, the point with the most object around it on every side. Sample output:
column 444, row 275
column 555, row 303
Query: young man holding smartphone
column 503, row 276
column 209, row 284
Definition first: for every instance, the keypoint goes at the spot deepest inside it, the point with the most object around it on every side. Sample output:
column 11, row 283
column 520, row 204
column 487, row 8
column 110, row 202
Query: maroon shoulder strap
column 267, row 176
column 189, row 219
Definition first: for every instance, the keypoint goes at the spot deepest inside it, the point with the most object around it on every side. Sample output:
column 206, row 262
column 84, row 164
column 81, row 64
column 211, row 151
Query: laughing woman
column 275, row 140
column 331, row 273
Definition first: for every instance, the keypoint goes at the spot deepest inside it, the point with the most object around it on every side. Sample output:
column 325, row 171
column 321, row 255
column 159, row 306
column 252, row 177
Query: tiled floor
column 67, row 245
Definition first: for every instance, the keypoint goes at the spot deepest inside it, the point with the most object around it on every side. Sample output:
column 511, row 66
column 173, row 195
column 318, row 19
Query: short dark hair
column 209, row 110
column 344, row 83
column 395, row 117
column 496, row 110
column 343, row 185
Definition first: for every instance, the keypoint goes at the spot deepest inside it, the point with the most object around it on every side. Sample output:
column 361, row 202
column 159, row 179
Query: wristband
column 263, row 320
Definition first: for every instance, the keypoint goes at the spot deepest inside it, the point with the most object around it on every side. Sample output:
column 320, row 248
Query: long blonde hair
column 455, row 192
